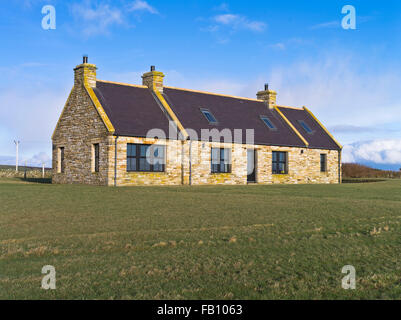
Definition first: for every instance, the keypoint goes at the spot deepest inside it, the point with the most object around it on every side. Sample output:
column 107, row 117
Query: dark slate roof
column 231, row 113
column 134, row 110
column 131, row 109
column 318, row 138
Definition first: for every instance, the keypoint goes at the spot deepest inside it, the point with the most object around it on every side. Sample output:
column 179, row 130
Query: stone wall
column 304, row 164
column 79, row 127
column 173, row 172
column 30, row 173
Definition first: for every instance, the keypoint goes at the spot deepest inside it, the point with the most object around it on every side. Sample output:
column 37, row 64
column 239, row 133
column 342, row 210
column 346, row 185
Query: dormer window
column 268, row 123
column 209, row 116
column 305, row 126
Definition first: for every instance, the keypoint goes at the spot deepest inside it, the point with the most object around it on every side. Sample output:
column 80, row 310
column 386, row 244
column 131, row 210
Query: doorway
column 251, row 165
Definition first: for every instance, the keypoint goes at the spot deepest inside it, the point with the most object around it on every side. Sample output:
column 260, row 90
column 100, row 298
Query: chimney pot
column 153, row 79
column 268, row 96
column 85, row 74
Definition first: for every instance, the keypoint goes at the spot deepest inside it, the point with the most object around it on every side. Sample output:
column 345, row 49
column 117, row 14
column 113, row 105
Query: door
column 251, row 165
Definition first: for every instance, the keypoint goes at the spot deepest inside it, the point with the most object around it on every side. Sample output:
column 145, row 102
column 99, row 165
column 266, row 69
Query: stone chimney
column 153, row 79
column 268, row 96
column 85, row 74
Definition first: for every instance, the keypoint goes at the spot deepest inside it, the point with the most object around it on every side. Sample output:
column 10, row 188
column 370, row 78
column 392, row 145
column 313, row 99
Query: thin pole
column 16, row 158
column 115, row 161
column 43, row 170
column 190, row 162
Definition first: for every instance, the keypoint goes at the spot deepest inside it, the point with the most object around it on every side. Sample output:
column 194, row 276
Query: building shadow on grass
column 37, row 180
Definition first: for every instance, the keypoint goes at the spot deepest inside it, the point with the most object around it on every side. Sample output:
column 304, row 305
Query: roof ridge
column 213, row 93
column 287, row 107
column 123, row 84
column 184, row 89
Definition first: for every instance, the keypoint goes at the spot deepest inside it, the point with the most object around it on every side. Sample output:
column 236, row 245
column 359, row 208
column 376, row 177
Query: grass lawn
column 204, row 242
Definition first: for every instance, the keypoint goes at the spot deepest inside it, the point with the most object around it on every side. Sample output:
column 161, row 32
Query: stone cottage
column 119, row 134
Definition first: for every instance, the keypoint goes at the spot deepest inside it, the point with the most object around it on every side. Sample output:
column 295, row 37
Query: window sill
column 145, row 171
column 221, row 173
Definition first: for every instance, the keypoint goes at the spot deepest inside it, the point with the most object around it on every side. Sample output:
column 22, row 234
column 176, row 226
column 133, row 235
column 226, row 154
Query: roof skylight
column 267, row 122
column 209, row 116
column 305, row 126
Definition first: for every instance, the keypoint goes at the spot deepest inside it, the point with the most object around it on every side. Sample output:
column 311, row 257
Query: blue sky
column 350, row 79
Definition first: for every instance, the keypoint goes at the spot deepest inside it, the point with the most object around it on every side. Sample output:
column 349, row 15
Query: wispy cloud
column 330, row 24
column 20, row 111
column 7, row 160
column 32, row 65
column 346, row 128
column 139, row 5
column 28, row 4
column 337, row 23
column 292, row 42
column 278, row 46
column 98, row 18
column 222, row 7
column 341, row 90
column 236, row 21
column 37, row 160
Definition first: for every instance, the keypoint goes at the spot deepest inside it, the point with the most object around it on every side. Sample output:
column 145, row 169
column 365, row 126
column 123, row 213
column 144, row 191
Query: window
column 268, row 123
column 280, row 162
column 209, row 116
column 95, row 167
column 145, row 157
column 305, row 126
column 221, row 160
column 323, row 163
column 61, row 160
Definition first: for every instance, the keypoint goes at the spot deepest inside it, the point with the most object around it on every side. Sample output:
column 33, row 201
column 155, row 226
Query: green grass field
column 205, row 242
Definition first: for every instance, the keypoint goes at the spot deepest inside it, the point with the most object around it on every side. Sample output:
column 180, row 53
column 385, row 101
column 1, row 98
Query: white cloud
column 330, row 24
column 236, row 21
column 140, row 5
column 279, row 46
column 340, row 90
column 382, row 151
column 222, row 7
column 30, row 116
column 290, row 43
column 37, row 160
column 337, row 23
column 7, row 160
column 96, row 19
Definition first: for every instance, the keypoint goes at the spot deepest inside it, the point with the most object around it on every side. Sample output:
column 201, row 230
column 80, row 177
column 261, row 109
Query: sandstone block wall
column 79, row 127
column 304, row 164
column 173, row 171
